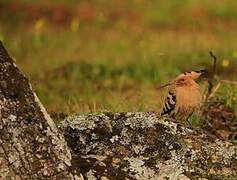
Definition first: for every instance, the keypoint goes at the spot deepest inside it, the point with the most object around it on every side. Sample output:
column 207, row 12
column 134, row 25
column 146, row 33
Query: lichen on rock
column 144, row 146
column 30, row 145
column 100, row 146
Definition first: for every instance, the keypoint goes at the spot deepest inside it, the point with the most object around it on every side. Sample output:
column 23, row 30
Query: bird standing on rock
column 184, row 96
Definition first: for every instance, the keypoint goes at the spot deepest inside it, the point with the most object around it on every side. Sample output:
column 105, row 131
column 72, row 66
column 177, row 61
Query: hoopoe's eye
column 181, row 81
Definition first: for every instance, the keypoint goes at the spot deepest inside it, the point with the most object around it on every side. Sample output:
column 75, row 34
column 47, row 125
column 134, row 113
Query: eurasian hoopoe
column 184, row 96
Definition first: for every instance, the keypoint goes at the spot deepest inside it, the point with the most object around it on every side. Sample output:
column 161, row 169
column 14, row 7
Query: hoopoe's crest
column 192, row 74
column 184, row 96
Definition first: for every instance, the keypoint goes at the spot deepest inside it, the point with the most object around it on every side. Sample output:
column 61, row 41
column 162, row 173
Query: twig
column 214, row 90
column 210, row 80
column 228, row 82
column 214, row 63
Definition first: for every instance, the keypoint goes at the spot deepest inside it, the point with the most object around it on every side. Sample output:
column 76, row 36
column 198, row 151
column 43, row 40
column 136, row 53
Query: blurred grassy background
column 98, row 55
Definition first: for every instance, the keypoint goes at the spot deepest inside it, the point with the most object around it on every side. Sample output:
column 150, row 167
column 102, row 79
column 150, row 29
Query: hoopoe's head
column 192, row 74
column 188, row 78
column 185, row 79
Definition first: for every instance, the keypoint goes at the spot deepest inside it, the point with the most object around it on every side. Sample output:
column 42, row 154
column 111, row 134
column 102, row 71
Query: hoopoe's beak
column 197, row 74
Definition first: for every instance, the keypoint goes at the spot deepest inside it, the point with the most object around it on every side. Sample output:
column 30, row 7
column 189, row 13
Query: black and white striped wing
column 169, row 105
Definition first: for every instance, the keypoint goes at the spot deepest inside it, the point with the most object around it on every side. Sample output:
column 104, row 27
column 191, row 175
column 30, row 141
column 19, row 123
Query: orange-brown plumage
column 184, row 96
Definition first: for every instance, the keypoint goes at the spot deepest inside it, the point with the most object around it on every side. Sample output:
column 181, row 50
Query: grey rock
column 30, row 145
column 100, row 146
column 144, row 146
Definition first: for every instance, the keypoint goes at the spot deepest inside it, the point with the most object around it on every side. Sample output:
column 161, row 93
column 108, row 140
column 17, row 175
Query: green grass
column 227, row 93
column 115, row 59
